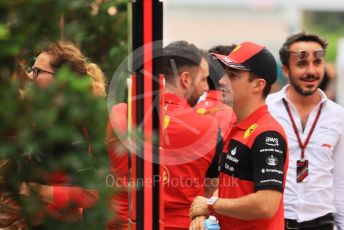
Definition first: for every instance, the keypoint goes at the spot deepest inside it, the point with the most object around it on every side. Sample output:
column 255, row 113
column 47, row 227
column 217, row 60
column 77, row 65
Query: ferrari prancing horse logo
column 250, row 130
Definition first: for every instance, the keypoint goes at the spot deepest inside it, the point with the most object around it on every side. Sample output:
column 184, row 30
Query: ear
column 285, row 71
column 259, row 86
column 185, row 79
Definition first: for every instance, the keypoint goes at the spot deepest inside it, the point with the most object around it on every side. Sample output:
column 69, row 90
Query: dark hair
column 267, row 87
column 325, row 82
column 300, row 37
column 224, row 50
column 216, row 70
column 178, row 55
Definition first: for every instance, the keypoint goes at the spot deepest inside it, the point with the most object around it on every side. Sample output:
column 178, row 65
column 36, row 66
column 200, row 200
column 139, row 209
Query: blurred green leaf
column 3, row 32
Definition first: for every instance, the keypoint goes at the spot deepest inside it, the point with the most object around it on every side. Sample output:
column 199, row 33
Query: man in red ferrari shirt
column 255, row 159
column 191, row 143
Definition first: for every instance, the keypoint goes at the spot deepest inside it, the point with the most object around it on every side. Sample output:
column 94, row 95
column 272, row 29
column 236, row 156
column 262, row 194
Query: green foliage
column 328, row 25
column 26, row 25
column 63, row 120
column 52, row 129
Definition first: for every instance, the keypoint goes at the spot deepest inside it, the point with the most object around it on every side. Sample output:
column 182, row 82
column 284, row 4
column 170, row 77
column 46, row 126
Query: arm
column 268, row 161
column 210, row 187
column 62, row 196
column 338, row 174
column 265, row 203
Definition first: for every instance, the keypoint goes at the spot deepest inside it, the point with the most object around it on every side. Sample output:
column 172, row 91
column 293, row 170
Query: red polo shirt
column 190, row 142
column 212, row 105
column 255, row 158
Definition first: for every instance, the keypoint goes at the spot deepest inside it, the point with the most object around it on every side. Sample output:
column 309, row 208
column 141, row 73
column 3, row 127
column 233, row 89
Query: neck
column 302, row 100
column 170, row 88
column 245, row 110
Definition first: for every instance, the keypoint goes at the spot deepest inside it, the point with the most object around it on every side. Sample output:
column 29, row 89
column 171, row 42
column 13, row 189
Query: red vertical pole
column 146, row 199
column 147, row 117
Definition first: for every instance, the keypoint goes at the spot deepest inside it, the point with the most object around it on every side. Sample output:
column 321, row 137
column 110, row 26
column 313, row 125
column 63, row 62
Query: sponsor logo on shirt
column 201, row 111
column 271, row 181
column 165, row 175
column 272, row 161
column 229, row 157
column 229, row 168
column 271, row 150
column 233, row 152
column 272, row 141
column 166, row 121
column 249, row 131
column 266, row 170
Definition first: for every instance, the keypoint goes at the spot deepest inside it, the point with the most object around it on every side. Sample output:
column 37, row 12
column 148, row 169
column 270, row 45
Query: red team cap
column 252, row 57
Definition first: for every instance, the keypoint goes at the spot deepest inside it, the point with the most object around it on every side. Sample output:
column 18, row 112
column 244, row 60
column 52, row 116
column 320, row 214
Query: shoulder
column 118, row 117
column 331, row 117
column 192, row 118
column 204, row 106
column 274, row 97
column 268, row 123
column 119, row 108
column 187, row 125
column 334, row 108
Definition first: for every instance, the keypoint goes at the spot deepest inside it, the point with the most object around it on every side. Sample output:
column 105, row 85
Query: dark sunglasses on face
column 304, row 54
column 36, row 71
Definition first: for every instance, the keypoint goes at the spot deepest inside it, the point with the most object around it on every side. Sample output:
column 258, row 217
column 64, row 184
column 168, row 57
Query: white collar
column 283, row 94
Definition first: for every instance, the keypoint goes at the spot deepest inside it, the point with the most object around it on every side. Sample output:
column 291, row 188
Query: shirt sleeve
column 213, row 170
column 338, row 175
column 63, row 196
column 268, row 158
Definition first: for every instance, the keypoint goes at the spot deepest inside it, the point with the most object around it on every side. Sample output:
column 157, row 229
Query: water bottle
column 211, row 223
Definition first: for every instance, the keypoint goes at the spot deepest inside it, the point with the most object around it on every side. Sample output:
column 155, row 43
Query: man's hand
column 197, row 223
column 199, row 207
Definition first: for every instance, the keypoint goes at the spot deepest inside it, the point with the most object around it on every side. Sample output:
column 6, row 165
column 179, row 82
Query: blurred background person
column 65, row 201
column 60, row 54
column 314, row 126
column 216, row 101
column 328, row 85
column 191, row 142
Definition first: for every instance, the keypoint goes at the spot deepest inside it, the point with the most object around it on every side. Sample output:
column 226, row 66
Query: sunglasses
column 304, row 54
column 36, row 71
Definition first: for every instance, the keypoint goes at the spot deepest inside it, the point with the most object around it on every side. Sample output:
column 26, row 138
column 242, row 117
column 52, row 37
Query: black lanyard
column 302, row 145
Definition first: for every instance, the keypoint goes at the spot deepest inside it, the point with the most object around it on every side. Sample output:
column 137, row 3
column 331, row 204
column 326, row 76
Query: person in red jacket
column 191, row 143
column 65, row 202
column 217, row 102
column 255, row 159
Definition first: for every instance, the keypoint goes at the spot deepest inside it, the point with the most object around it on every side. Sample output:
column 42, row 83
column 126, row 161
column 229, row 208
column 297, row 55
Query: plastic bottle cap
column 212, row 220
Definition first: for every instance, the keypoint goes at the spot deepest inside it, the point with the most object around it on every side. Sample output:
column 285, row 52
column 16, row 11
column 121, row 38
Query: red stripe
column 148, row 70
column 161, row 117
column 132, row 193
